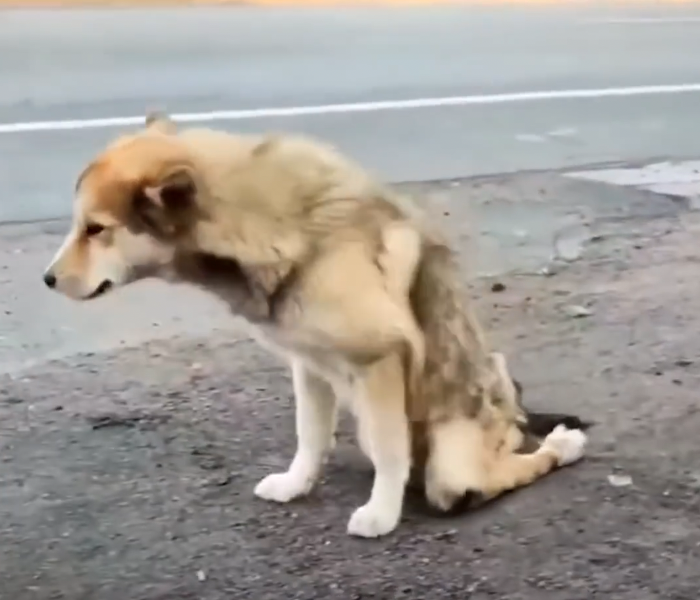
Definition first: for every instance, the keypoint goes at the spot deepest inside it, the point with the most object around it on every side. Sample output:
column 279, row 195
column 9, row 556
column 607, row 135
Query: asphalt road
column 96, row 64
column 128, row 473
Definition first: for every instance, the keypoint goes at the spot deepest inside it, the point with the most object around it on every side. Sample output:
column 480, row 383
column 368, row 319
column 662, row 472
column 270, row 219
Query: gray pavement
column 128, row 473
column 91, row 64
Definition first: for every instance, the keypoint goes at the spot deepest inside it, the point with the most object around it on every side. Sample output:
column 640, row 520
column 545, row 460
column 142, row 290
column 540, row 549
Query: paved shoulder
column 129, row 474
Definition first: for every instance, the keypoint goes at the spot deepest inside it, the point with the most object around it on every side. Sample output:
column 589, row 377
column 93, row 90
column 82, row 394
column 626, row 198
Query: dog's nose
column 50, row 280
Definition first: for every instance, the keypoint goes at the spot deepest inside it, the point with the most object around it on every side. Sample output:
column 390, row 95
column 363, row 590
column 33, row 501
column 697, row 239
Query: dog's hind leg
column 510, row 471
column 460, row 461
column 316, row 414
column 380, row 410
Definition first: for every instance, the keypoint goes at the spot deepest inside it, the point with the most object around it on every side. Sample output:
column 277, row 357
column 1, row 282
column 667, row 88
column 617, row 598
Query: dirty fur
column 339, row 274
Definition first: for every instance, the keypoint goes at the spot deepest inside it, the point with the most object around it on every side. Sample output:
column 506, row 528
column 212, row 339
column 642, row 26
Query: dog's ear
column 161, row 122
column 166, row 209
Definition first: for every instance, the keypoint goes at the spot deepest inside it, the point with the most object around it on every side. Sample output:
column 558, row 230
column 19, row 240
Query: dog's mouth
column 101, row 289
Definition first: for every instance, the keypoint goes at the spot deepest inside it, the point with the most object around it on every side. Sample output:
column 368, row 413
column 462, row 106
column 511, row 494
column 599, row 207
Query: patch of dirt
column 130, row 474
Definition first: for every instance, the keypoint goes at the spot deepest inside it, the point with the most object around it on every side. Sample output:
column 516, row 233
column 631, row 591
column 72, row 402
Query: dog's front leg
column 381, row 412
column 315, row 428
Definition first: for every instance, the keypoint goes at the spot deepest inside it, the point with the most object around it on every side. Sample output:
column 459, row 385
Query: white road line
column 357, row 107
column 643, row 20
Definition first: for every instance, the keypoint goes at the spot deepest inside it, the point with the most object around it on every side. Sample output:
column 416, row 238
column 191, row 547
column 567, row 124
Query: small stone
column 570, row 244
column 220, row 480
column 576, row 311
column 549, row 270
column 497, row 287
column 201, row 575
column 619, row 480
column 693, row 203
column 445, row 535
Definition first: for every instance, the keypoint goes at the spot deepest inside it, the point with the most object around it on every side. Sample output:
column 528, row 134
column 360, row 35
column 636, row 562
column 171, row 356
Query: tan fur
column 398, row 259
column 334, row 271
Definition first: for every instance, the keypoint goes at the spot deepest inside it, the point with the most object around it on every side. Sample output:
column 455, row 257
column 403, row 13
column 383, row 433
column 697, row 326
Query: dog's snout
column 50, row 279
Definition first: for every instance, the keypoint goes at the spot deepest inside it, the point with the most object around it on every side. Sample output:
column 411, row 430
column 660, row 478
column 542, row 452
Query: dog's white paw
column 568, row 444
column 371, row 521
column 282, row 487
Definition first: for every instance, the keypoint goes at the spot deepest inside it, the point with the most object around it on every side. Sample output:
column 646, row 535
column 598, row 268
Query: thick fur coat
column 339, row 274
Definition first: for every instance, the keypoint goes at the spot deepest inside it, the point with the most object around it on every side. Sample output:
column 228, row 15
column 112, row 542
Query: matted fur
column 339, row 274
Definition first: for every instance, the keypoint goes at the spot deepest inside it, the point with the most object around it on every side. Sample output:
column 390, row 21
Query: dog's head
column 133, row 204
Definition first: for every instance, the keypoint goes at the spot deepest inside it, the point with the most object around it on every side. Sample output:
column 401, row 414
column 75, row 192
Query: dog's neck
column 254, row 293
column 250, row 261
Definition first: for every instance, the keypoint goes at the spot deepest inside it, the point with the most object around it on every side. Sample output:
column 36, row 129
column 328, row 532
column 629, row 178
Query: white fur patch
column 374, row 519
column 283, row 487
column 68, row 241
column 315, row 427
column 568, row 444
column 390, row 456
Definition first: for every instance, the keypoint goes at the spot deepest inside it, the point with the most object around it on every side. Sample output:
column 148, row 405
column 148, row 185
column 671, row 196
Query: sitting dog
column 339, row 274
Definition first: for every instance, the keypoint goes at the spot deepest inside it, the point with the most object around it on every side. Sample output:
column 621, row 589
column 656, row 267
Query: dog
column 337, row 273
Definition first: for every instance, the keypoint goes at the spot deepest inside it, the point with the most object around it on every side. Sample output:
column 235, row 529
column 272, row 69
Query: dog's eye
column 94, row 229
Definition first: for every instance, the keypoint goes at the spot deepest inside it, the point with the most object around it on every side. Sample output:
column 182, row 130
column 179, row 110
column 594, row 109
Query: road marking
column 676, row 179
column 675, row 172
column 356, row 107
column 643, row 20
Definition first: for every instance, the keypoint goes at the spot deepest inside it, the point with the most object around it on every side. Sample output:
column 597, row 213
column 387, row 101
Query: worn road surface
column 133, row 429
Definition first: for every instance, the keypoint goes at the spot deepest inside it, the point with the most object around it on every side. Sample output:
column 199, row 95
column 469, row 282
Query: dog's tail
column 535, row 426
column 542, row 424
